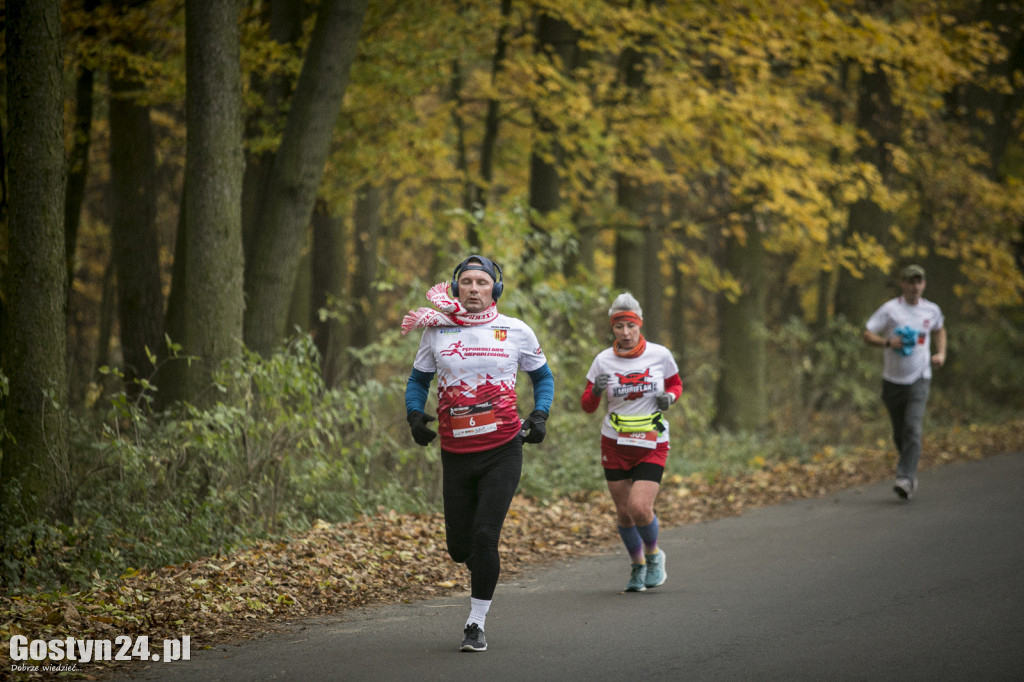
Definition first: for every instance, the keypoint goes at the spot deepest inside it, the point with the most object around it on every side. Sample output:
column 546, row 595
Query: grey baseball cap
column 912, row 271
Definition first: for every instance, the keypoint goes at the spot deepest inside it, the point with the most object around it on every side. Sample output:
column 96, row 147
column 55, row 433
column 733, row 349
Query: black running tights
column 478, row 489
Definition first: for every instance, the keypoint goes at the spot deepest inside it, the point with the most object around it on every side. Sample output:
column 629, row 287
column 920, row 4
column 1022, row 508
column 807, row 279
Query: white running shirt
column 476, row 369
column 924, row 318
column 633, row 383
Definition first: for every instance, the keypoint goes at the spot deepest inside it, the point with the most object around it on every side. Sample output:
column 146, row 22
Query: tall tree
column 78, row 159
column 329, row 277
column 34, row 480
column 368, row 232
column 272, row 259
column 557, row 45
column 136, row 244
column 213, row 232
column 878, row 117
column 740, row 398
column 476, row 187
column 633, row 194
column 283, row 20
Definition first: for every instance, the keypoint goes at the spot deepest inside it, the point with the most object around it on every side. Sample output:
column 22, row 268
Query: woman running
column 640, row 380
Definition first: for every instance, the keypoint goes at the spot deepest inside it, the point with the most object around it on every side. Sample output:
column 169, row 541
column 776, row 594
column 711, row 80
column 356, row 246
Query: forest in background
column 215, row 217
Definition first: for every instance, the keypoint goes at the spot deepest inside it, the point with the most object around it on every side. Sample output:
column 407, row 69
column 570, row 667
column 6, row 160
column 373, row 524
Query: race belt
column 636, row 423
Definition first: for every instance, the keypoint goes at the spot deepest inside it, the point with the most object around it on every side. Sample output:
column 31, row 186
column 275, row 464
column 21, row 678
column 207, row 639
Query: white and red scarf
column 448, row 313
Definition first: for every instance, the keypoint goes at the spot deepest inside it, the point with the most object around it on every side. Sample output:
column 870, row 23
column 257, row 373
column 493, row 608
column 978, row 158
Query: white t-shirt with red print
column 634, row 383
column 476, row 368
column 924, row 318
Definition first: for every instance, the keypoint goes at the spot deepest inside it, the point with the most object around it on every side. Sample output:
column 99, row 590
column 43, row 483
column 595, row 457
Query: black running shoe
column 474, row 640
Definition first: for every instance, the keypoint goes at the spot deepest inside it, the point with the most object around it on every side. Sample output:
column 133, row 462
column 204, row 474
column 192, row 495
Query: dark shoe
column 474, row 639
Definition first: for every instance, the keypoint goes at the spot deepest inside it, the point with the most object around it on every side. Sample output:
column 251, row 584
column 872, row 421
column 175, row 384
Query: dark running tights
column 478, row 489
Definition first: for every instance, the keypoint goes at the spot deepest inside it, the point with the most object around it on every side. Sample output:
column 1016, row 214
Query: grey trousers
column 906, row 405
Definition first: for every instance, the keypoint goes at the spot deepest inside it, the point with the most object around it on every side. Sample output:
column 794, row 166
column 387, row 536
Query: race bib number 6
column 473, row 420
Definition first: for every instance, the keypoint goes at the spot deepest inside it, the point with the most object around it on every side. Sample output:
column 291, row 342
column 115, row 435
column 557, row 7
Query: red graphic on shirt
column 454, row 349
column 634, row 385
column 634, row 378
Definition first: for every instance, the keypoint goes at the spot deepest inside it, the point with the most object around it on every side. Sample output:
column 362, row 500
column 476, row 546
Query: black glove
column 600, row 383
column 664, row 400
column 418, row 422
column 533, row 430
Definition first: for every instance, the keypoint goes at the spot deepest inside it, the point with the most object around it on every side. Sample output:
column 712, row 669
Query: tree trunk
column 879, row 119
column 78, row 161
column 105, row 324
column 214, row 267
column 136, row 244
column 172, row 375
column 492, row 118
column 558, row 42
column 34, row 481
column 298, row 166
column 638, row 198
column 629, row 260
column 678, row 337
column 329, row 276
column 740, row 397
column 284, row 19
column 368, row 230
column 475, row 189
column 857, row 296
column 653, row 291
column 993, row 114
column 300, row 310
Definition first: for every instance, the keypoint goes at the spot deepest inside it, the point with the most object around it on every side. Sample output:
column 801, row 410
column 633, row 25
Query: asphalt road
column 853, row 586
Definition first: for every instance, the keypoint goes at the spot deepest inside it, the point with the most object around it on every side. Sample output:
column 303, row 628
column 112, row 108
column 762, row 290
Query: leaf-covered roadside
column 389, row 557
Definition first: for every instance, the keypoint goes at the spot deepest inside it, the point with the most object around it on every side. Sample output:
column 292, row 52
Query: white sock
column 478, row 611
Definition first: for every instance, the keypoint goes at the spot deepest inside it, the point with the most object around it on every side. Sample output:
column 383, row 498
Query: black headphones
column 488, row 266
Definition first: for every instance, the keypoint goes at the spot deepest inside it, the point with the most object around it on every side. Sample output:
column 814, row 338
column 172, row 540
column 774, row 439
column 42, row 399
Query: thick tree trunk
column 284, row 218
column 34, row 481
column 740, row 397
column 214, row 265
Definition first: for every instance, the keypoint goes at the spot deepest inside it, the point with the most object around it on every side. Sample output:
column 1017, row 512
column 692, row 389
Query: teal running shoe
column 655, row 569
column 637, row 573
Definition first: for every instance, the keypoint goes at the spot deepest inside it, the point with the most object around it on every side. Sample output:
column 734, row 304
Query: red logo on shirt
column 454, row 349
column 500, row 334
column 634, row 378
